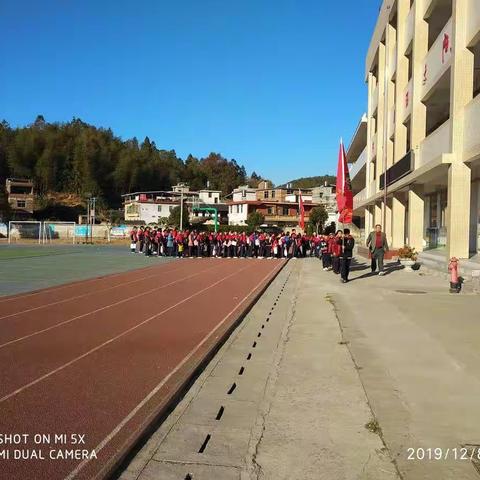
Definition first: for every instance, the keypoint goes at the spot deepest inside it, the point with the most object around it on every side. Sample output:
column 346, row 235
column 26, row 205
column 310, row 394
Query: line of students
column 171, row 242
column 336, row 252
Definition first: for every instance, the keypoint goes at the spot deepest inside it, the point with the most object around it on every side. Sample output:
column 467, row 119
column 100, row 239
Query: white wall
column 237, row 214
column 244, row 194
column 209, row 197
column 151, row 212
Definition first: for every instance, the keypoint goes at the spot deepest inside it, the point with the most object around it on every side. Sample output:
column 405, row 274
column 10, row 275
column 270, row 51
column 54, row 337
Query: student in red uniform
column 133, row 240
column 337, row 251
column 141, row 239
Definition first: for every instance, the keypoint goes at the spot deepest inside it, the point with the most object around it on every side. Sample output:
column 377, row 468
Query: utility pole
column 92, row 213
column 386, row 123
column 181, row 209
column 87, row 223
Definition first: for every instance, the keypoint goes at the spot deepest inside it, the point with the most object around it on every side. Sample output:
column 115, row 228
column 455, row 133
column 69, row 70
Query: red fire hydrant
column 455, row 284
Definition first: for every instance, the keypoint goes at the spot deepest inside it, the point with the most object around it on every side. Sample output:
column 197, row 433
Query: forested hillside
column 310, row 182
column 79, row 158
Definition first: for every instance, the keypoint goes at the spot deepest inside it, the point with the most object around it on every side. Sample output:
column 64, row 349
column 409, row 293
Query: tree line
column 79, row 158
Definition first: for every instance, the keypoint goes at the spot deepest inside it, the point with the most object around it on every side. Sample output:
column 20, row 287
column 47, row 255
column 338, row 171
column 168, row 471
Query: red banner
column 301, row 211
column 344, row 188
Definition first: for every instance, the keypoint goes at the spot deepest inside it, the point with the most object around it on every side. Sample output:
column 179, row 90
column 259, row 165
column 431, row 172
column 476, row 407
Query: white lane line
column 73, row 284
column 45, row 305
column 116, row 337
column 114, row 432
column 83, row 315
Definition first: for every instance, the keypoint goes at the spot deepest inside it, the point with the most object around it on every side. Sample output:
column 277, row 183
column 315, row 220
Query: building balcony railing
column 436, row 144
column 359, row 164
column 359, row 198
column 438, row 59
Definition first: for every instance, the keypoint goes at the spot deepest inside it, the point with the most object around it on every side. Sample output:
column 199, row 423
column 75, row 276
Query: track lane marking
column 116, row 337
column 10, row 315
column 133, row 412
column 51, row 327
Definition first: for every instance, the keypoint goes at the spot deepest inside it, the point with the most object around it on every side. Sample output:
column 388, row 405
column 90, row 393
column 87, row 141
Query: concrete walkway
column 281, row 400
column 417, row 350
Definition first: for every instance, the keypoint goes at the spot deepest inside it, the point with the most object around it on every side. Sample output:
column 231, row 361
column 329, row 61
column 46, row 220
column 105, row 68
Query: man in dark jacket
column 377, row 243
column 347, row 254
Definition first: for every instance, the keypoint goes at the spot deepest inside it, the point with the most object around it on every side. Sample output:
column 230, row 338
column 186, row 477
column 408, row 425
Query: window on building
column 238, row 208
column 21, row 203
column 159, row 208
column 209, row 194
column 215, row 200
column 244, row 193
column 284, row 211
column 273, row 193
column 265, row 194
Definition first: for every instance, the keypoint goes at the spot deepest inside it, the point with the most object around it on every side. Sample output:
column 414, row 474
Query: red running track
column 102, row 358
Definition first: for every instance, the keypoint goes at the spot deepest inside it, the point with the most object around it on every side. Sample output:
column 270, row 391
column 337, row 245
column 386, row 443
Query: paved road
column 99, row 359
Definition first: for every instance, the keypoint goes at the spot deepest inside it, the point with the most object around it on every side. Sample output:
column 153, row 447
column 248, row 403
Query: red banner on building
column 344, row 188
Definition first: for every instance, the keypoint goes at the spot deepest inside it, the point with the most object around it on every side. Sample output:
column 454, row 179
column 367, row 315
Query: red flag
column 344, row 188
column 301, row 210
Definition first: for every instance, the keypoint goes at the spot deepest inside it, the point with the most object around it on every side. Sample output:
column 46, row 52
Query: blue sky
column 271, row 83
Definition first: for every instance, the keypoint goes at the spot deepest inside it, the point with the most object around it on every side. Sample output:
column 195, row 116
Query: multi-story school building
column 416, row 153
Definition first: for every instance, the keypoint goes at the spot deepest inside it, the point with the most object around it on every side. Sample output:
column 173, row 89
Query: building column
column 459, row 174
column 403, row 7
column 377, row 215
column 458, row 218
column 368, row 221
column 387, row 228
column 398, row 222
column 474, row 217
column 415, row 218
column 418, row 124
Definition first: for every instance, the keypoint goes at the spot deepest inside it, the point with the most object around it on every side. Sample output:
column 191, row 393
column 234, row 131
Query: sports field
column 30, row 267
column 100, row 359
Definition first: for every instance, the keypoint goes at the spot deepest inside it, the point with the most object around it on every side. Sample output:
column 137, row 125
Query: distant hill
column 310, row 182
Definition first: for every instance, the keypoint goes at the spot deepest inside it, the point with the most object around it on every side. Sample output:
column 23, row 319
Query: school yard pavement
column 374, row 379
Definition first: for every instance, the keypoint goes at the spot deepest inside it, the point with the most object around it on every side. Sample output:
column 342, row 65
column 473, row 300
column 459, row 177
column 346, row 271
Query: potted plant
column 407, row 256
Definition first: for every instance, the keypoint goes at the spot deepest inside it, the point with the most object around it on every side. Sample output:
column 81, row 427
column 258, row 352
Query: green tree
column 254, row 220
column 74, row 158
column 174, row 218
column 318, row 217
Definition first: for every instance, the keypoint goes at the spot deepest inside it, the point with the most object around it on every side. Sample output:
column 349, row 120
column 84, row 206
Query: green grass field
column 10, row 253
column 28, row 267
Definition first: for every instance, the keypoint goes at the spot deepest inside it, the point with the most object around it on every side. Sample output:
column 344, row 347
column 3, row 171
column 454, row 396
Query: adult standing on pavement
column 347, row 254
column 377, row 243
